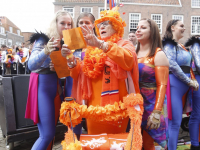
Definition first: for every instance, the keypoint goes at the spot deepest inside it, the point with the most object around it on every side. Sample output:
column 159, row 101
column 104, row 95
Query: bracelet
column 71, row 64
column 106, row 48
column 101, row 44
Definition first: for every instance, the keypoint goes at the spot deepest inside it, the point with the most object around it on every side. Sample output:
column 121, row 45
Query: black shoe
column 195, row 147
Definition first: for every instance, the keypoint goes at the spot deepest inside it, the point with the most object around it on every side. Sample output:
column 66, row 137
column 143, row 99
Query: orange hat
column 9, row 50
column 114, row 17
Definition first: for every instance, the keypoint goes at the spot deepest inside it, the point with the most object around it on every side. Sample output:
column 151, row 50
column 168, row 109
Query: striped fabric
column 109, row 92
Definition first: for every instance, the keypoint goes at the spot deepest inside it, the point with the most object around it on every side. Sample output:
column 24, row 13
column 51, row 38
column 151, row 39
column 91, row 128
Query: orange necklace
column 95, row 58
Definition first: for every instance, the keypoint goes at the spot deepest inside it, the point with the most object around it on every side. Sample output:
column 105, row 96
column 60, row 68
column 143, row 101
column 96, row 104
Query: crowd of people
column 163, row 71
column 13, row 60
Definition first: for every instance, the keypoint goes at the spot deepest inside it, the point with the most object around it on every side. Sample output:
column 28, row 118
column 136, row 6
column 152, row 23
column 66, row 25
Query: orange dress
column 123, row 54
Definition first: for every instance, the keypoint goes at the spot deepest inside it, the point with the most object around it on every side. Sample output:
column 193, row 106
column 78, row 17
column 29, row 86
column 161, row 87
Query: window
column 18, row 32
column 134, row 18
column 2, row 41
column 179, row 17
column 195, row 3
column 9, row 43
column 18, row 43
column 195, row 25
column 70, row 10
column 10, row 29
column 86, row 9
column 158, row 19
column 2, row 30
column 101, row 9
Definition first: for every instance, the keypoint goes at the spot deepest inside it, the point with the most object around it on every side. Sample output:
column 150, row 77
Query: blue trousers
column 195, row 116
column 178, row 89
column 47, row 88
column 68, row 86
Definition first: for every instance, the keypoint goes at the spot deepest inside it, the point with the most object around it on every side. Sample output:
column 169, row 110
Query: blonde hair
column 52, row 31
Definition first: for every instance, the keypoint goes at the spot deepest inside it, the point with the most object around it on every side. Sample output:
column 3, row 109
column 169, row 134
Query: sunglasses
column 105, row 23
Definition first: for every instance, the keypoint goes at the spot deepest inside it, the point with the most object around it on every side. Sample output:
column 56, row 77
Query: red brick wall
column 26, row 36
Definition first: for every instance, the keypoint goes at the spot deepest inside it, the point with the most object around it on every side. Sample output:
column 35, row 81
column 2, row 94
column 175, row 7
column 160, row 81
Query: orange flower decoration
column 95, row 58
column 94, row 62
column 113, row 112
column 68, row 143
column 108, row 113
column 134, row 140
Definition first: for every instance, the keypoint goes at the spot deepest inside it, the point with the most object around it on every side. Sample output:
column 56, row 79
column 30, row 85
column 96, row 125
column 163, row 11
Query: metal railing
column 163, row 2
column 15, row 67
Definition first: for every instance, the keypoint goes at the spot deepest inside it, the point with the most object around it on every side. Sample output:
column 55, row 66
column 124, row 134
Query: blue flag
column 112, row 3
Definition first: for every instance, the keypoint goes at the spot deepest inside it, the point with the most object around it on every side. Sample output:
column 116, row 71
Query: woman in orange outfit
column 153, row 77
column 101, row 76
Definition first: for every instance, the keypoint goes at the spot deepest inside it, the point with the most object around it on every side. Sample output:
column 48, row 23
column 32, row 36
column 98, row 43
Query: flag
column 111, row 3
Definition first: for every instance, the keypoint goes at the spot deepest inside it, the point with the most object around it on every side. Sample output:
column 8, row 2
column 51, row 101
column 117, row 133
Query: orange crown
column 114, row 17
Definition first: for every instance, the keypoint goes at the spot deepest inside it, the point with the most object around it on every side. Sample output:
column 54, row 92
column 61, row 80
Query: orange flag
column 60, row 64
column 74, row 39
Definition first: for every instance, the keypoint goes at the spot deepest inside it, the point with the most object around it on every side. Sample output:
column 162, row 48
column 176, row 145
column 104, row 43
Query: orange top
column 148, row 60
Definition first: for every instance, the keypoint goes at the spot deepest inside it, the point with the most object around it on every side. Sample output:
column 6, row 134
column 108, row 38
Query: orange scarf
column 110, row 88
column 96, row 62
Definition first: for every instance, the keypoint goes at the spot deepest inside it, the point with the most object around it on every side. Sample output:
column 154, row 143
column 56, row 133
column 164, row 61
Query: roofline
column 73, row 4
column 180, row 5
column 102, row 4
column 6, row 18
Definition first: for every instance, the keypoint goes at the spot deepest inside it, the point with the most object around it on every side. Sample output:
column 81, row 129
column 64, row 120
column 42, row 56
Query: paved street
column 27, row 144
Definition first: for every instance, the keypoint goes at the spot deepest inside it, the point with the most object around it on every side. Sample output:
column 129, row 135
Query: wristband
column 106, row 48
column 101, row 44
column 71, row 64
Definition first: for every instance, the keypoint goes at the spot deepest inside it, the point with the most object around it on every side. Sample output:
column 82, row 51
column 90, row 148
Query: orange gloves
column 161, row 75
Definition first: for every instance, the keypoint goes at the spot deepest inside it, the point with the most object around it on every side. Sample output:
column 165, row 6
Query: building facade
column 161, row 11
column 27, row 36
column 10, row 34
